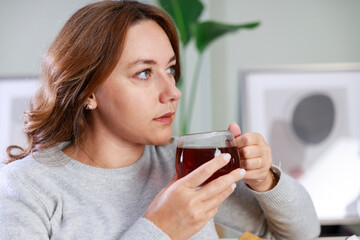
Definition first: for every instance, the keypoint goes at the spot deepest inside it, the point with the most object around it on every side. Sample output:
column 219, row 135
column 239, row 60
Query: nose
column 169, row 91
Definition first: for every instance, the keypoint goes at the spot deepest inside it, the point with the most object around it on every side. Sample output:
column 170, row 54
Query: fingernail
column 227, row 157
column 233, row 186
column 242, row 172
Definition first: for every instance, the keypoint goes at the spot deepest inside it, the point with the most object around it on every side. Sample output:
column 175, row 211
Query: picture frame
column 15, row 95
column 310, row 115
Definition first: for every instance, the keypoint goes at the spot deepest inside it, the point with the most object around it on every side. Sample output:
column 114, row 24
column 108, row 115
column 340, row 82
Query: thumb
column 235, row 129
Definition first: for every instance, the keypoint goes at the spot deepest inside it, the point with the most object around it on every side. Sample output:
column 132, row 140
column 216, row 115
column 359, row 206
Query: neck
column 98, row 151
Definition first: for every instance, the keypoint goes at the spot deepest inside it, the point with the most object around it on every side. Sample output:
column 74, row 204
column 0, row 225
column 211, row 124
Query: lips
column 167, row 118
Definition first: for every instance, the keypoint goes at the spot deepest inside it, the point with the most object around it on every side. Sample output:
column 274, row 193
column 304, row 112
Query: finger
column 252, row 163
column 202, row 173
column 248, row 139
column 253, row 151
column 218, row 199
column 219, row 185
column 256, row 175
column 235, row 129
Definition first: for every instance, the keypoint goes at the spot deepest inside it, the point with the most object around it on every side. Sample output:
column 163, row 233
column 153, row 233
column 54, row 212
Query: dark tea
column 188, row 159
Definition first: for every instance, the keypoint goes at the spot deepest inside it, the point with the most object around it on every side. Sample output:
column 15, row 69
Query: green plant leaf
column 184, row 13
column 206, row 32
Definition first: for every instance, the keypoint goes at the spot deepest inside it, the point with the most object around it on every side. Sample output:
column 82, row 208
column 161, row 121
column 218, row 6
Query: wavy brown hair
column 80, row 59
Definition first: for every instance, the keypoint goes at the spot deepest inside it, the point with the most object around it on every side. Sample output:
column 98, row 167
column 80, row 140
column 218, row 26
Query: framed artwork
column 15, row 95
column 310, row 117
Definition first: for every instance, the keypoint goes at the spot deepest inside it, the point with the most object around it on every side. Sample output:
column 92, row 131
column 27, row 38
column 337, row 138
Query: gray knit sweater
column 50, row 196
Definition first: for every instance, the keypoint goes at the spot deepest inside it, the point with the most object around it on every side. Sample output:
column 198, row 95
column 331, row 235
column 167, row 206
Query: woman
column 100, row 159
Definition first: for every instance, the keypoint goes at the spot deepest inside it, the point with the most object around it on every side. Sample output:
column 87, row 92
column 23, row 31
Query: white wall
column 27, row 29
column 291, row 32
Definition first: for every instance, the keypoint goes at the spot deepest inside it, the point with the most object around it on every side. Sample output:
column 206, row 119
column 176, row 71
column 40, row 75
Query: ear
column 90, row 103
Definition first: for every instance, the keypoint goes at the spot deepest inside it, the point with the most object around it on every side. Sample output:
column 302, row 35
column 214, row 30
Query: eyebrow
column 148, row 61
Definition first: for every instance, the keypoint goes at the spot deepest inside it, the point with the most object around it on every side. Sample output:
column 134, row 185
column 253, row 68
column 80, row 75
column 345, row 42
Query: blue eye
column 171, row 70
column 143, row 75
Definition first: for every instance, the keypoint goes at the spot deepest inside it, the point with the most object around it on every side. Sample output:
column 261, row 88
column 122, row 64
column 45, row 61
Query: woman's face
column 137, row 103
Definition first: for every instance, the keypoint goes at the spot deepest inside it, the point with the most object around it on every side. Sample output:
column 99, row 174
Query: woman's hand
column 181, row 209
column 255, row 158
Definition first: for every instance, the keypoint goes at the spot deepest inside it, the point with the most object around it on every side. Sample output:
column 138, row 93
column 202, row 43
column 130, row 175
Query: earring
column 88, row 106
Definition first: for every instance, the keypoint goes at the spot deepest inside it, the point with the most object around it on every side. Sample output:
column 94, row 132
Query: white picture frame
column 330, row 169
column 15, row 95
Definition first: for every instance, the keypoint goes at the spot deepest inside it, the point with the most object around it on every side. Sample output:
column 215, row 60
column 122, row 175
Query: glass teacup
column 193, row 150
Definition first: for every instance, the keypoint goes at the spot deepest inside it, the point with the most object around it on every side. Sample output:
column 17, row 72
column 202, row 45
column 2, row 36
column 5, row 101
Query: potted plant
column 186, row 14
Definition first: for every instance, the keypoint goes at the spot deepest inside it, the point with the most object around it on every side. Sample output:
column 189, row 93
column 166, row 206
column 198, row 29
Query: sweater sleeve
column 284, row 212
column 143, row 229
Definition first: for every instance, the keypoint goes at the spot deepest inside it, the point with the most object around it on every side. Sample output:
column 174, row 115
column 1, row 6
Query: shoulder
column 21, row 189
column 19, row 168
column 16, row 181
column 33, row 171
column 23, row 178
column 36, row 163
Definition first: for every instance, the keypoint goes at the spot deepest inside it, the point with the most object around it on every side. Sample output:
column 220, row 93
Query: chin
column 162, row 138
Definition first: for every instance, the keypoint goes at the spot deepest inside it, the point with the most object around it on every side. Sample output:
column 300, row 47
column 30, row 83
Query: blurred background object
column 310, row 117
